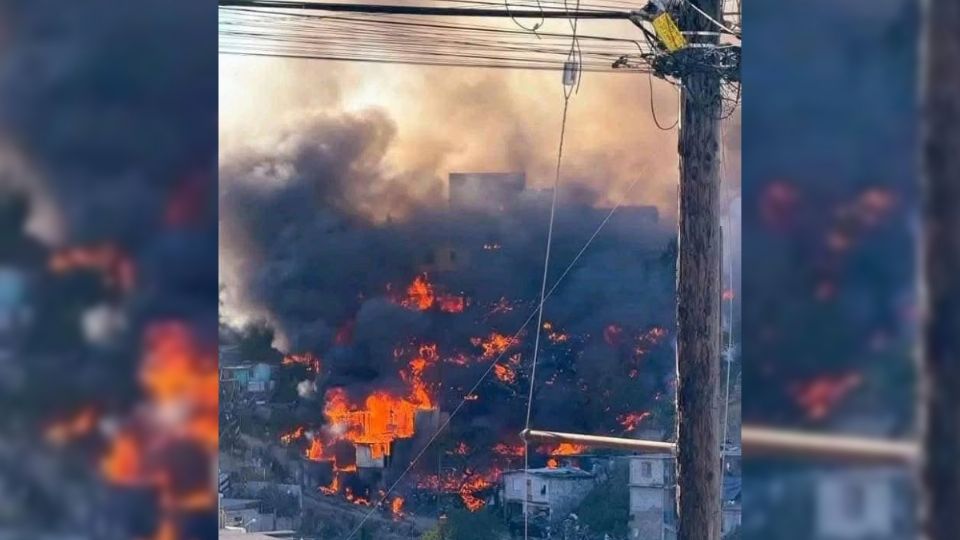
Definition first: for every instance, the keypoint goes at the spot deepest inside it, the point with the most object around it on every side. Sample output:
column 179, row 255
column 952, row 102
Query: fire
column 334, row 486
column 78, row 425
column 115, row 268
column 420, row 295
column 554, row 335
column 493, row 346
column 468, row 486
column 505, row 373
column 315, row 452
column 451, row 303
column 552, row 463
column 305, row 359
column 461, row 449
column 356, row 499
column 819, row 396
column 508, row 450
column 291, row 436
column 565, row 449
column 179, row 379
column 382, row 419
column 630, row 421
column 419, row 392
column 396, row 507
column 122, row 464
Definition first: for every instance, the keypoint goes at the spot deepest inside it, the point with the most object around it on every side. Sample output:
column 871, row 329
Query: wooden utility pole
column 940, row 273
column 698, row 289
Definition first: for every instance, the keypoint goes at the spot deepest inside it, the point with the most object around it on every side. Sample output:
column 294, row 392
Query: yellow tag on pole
column 668, row 32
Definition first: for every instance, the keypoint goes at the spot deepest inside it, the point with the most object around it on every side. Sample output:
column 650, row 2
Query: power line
column 428, row 10
column 399, row 39
column 496, row 361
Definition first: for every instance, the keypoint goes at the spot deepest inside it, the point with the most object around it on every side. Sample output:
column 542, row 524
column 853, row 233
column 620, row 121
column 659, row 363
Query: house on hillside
column 652, row 484
column 550, row 494
column 653, row 487
column 254, row 379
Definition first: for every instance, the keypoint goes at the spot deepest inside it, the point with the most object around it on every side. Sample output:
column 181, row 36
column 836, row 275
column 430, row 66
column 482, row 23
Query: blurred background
column 830, row 176
column 108, row 269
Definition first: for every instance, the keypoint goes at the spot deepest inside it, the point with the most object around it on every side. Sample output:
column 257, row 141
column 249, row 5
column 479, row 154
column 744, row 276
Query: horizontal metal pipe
column 766, row 442
column 770, row 442
column 596, row 441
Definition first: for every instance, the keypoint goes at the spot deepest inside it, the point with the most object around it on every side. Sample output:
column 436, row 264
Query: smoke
column 108, row 122
column 450, row 119
column 320, row 232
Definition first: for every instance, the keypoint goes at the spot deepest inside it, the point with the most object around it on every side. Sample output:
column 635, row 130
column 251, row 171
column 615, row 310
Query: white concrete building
column 550, row 493
column 857, row 505
column 652, row 483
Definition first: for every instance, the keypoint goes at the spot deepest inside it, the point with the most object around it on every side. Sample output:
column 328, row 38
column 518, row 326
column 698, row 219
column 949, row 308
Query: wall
column 854, row 506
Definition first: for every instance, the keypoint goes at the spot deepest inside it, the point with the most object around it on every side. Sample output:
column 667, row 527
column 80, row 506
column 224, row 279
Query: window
column 646, row 469
column 543, row 490
column 854, row 501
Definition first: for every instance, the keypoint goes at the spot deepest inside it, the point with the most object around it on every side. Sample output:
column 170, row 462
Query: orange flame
column 334, row 486
column 451, row 303
column 181, row 384
column 630, row 421
column 493, row 346
column 304, row 359
column 78, row 425
column 555, row 335
column 315, row 452
column 504, row 449
column 291, row 436
column 115, row 268
column 821, row 395
column 420, row 294
column 467, row 486
column 396, row 507
column 505, row 373
column 565, row 449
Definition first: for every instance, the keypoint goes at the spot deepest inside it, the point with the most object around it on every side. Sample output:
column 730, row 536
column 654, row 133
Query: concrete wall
column 854, row 506
column 561, row 494
column 654, row 473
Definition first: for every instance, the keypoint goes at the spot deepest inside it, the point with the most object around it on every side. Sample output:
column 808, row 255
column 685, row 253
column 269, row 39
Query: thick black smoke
column 113, row 107
column 318, row 235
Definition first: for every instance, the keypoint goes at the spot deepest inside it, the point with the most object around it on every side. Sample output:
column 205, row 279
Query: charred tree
column 940, row 275
column 698, row 291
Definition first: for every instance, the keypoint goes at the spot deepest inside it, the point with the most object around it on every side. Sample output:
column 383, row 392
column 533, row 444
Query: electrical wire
column 262, row 32
column 496, row 361
column 653, row 111
column 716, row 23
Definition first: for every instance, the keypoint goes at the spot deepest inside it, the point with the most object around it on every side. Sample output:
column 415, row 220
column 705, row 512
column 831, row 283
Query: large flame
column 180, row 381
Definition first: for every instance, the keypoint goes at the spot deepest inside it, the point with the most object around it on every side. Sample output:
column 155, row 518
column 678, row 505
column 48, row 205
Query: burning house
column 396, row 330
